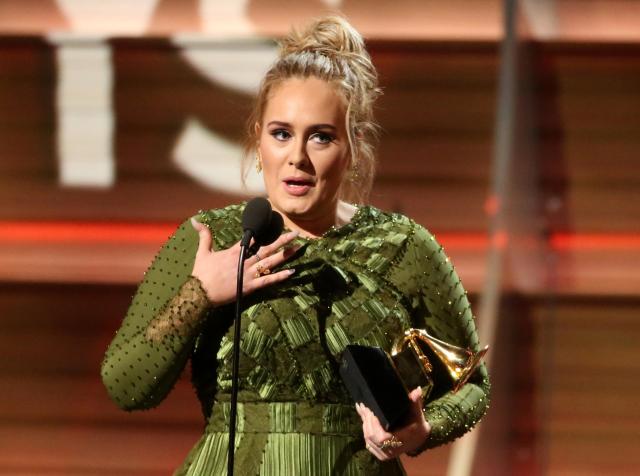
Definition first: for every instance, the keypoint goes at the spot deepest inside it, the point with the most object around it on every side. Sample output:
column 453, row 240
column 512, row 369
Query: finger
column 416, row 401
column 375, row 423
column 377, row 433
column 368, row 433
column 257, row 256
column 416, row 395
column 276, row 259
column 268, row 280
column 373, row 434
column 366, row 424
column 281, row 241
column 196, row 224
column 375, row 451
column 204, row 245
column 377, row 441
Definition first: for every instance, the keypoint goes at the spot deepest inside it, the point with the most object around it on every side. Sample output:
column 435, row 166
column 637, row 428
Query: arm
column 150, row 349
column 185, row 281
column 442, row 307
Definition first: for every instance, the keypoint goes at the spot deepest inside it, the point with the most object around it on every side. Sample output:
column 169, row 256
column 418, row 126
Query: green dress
column 364, row 282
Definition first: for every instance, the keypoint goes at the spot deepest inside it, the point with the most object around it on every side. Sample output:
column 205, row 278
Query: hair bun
column 331, row 36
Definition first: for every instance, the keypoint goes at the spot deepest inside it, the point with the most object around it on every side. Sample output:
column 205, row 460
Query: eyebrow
column 313, row 126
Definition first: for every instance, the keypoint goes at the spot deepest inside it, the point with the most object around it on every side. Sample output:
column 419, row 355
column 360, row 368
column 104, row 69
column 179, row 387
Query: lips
column 297, row 186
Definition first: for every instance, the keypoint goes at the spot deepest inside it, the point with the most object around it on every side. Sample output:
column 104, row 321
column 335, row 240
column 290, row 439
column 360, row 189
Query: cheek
column 271, row 160
column 335, row 170
column 342, row 163
column 271, row 174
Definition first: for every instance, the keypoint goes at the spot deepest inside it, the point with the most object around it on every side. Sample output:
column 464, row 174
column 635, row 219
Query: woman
column 340, row 274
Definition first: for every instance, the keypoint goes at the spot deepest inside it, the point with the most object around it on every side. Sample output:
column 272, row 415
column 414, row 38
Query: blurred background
column 511, row 131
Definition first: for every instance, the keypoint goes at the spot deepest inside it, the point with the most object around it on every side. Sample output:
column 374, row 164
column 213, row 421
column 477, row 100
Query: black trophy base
column 372, row 379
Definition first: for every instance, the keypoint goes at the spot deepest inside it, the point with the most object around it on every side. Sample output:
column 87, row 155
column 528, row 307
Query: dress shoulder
column 419, row 240
column 372, row 220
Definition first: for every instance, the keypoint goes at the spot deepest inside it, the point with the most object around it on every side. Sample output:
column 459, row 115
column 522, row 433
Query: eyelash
column 325, row 138
column 277, row 132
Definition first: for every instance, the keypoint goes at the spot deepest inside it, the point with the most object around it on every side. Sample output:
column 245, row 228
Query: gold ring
column 392, row 442
column 262, row 270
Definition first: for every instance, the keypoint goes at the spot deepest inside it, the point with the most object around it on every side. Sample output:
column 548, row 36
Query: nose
column 299, row 155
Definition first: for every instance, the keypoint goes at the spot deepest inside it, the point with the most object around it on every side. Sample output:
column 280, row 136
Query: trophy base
column 371, row 378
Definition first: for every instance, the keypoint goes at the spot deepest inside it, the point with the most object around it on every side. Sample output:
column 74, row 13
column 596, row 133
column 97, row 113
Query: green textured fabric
column 364, row 283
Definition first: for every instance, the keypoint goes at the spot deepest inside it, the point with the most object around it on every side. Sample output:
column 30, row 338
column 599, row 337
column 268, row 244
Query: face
column 304, row 147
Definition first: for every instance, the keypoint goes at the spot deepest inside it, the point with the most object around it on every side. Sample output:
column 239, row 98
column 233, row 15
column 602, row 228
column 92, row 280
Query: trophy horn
column 458, row 361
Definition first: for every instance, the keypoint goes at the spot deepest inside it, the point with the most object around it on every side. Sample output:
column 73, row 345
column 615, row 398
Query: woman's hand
column 217, row 270
column 403, row 440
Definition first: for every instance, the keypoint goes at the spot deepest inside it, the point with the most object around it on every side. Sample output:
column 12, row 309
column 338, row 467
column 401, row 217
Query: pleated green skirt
column 286, row 438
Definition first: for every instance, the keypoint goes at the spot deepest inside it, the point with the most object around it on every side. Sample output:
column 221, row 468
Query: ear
column 257, row 130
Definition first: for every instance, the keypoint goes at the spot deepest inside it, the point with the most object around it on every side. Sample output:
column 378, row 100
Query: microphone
column 264, row 225
column 261, row 223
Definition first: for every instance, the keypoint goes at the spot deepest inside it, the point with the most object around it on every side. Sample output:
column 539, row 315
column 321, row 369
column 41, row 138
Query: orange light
column 587, row 241
column 84, row 232
column 500, row 240
column 158, row 232
column 470, row 241
column 491, row 205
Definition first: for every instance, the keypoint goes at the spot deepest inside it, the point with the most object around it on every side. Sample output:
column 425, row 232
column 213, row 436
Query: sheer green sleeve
column 156, row 337
column 441, row 305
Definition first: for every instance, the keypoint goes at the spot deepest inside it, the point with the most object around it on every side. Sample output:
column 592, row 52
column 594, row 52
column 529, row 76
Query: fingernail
column 291, row 270
column 293, row 234
column 194, row 222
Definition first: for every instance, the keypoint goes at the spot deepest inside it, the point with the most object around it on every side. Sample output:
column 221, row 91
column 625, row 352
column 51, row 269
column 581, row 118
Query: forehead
column 305, row 101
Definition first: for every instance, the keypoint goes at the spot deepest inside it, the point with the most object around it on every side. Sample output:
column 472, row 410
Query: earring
column 352, row 174
column 258, row 162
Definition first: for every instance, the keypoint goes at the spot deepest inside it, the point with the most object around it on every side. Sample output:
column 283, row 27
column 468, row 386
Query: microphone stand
column 236, row 357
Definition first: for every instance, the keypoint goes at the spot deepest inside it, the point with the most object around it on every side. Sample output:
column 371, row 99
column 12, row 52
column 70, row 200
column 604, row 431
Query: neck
column 314, row 227
column 309, row 228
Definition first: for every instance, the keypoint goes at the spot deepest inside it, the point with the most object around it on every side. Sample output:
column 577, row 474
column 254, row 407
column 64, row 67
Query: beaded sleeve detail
column 158, row 332
column 442, row 302
column 182, row 314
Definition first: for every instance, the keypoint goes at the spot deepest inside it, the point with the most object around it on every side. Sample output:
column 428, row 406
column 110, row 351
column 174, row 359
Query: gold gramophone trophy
column 422, row 360
column 382, row 380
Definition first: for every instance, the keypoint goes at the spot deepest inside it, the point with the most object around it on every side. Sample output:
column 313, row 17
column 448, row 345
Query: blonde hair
column 333, row 50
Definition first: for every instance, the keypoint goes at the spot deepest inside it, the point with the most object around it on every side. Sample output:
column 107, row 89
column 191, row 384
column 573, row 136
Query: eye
column 280, row 134
column 322, row 137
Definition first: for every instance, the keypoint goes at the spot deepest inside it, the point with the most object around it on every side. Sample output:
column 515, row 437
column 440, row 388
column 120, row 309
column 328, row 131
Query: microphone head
column 256, row 215
column 272, row 232
column 264, row 225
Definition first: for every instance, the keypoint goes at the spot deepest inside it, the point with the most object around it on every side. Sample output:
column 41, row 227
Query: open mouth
column 297, row 186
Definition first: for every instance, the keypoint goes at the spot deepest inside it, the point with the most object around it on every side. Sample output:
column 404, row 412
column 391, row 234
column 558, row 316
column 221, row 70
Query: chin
column 293, row 209
column 293, row 206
